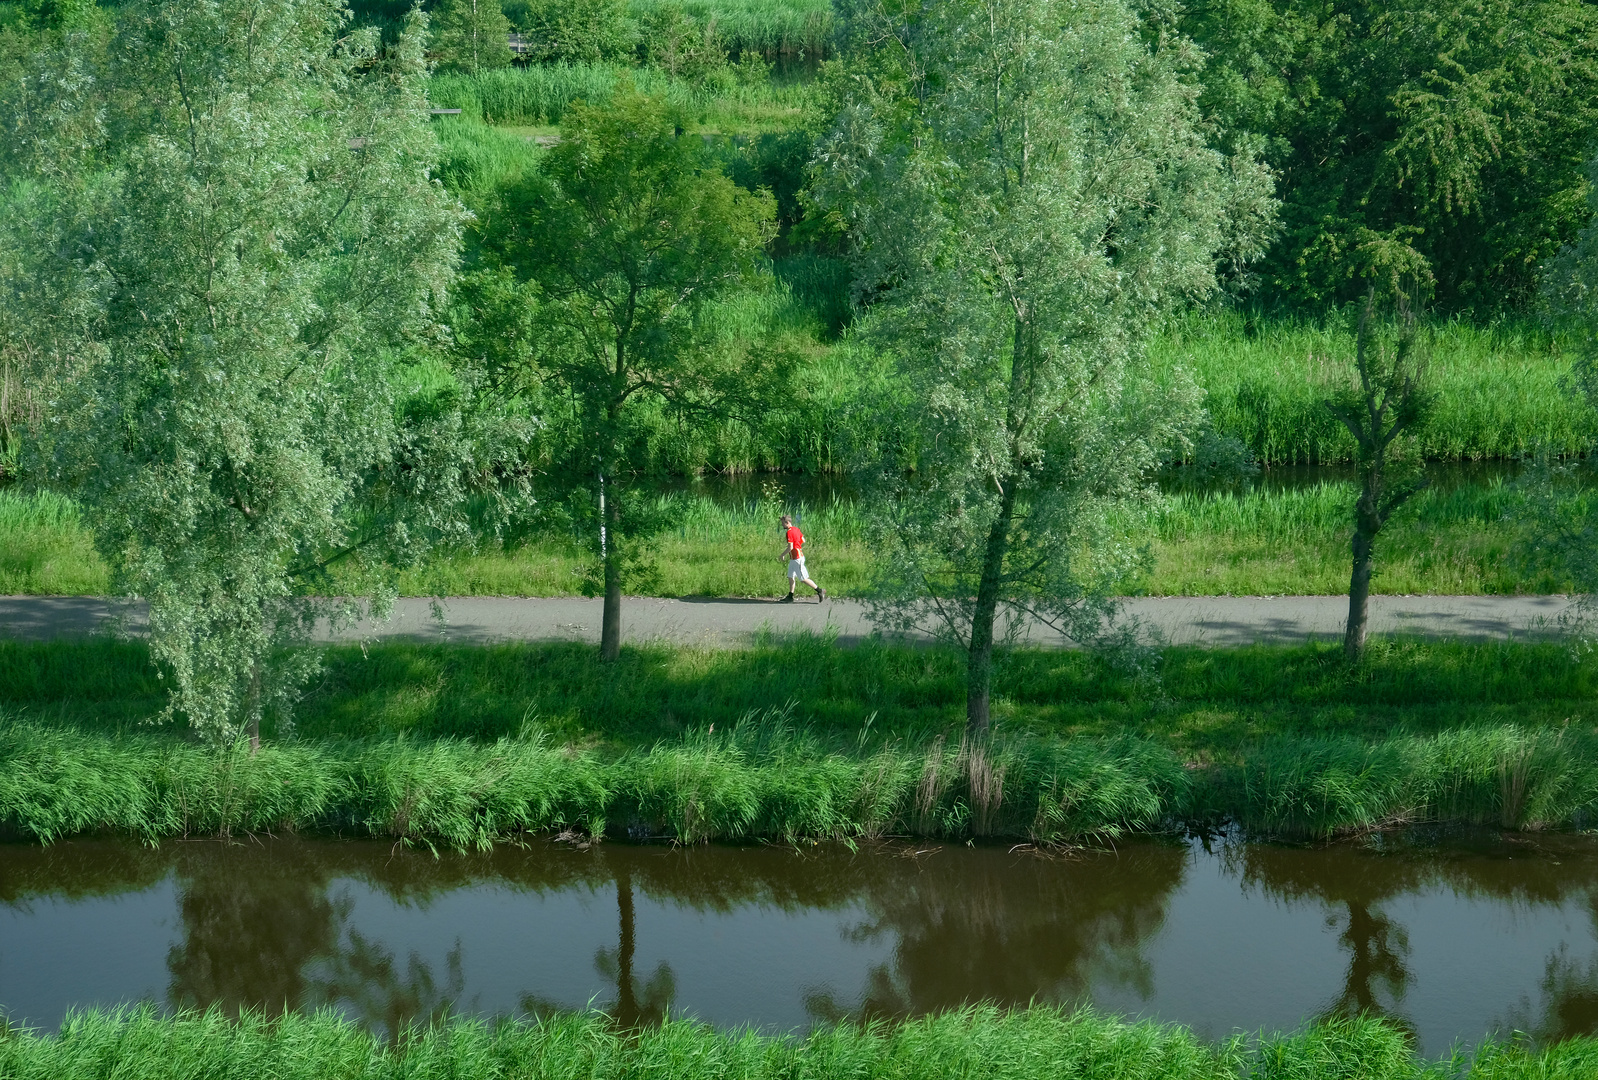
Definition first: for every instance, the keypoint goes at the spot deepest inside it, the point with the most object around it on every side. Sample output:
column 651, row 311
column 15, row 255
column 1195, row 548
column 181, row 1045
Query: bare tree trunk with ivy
column 1389, row 402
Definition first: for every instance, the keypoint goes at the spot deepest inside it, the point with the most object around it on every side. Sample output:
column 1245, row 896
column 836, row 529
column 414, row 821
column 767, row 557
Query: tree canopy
column 231, row 250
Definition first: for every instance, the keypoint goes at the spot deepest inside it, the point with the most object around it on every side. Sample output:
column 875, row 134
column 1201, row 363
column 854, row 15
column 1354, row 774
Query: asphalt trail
column 732, row 623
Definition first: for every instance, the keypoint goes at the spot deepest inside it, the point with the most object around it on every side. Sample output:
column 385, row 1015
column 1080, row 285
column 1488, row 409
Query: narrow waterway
column 1451, row 937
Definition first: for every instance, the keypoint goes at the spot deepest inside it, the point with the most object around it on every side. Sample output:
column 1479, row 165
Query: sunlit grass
column 1262, row 542
column 1502, row 387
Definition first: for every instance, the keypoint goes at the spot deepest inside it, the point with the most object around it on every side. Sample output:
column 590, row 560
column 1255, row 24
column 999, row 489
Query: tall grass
column 44, row 547
column 761, row 779
column 1278, row 541
column 1041, row 1042
column 1459, row 541
column 769, row 27
column 1501, row 387
column 540, row 95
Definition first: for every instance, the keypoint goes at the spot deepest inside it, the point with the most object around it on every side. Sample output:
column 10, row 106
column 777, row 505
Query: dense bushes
column 1039, row 1042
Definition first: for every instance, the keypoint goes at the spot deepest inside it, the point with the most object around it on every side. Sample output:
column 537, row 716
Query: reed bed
column 540, row 96
column 1041, row 1042
column 1502, row 387
column 1449, row 541
column 762, row 780
column 768, row 27
column 759, row 780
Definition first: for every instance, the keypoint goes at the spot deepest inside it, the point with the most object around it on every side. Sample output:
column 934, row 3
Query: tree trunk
column 979, row 661
column 1359, row 593
column 610, row 621
column 253, row 726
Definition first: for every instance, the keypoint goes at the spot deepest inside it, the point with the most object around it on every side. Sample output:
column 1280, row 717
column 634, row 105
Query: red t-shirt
column 796, row 542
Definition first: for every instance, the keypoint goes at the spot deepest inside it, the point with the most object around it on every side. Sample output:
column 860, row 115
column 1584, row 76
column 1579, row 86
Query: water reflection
column 987, row 925
column 1449, row 939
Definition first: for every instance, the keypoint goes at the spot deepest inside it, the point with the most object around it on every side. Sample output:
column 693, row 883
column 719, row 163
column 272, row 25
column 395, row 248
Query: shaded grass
column 1209, row 703
column 1501, row 387
column 1020, row 1044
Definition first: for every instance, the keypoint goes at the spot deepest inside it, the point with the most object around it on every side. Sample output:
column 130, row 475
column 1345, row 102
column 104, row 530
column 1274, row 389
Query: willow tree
column 230, row 248
column 1029, row 189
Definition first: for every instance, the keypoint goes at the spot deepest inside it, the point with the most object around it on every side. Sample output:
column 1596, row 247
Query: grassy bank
column 1295, row 541
column 759, row 780
column 1501, row 388
column 1021, row 1044
column 463, row 746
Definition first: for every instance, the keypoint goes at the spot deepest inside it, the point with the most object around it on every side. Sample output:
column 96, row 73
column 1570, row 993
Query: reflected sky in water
column 1451, row 939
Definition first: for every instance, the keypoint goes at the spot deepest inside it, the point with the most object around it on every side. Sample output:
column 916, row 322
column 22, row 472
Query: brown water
column 1453, row 940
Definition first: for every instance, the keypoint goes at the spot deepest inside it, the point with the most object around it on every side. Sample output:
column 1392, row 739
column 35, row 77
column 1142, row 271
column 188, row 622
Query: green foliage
column 1460, row 128
column 629, row 234
column 471, row 35
column 265, row 242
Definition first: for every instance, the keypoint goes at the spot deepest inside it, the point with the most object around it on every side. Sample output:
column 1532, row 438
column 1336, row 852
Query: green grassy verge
column 1455, row 542
column 463, row 746
column 1021, row 1044
column 1502, row 387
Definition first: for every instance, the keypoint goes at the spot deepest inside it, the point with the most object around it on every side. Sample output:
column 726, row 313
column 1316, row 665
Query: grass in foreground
column 1021, row 1044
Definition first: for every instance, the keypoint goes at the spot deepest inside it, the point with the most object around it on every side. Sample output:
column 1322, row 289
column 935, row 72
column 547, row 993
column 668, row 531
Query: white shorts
column 796, row 569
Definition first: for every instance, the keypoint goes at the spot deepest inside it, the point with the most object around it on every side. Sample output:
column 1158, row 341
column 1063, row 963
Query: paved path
column 1218, row 620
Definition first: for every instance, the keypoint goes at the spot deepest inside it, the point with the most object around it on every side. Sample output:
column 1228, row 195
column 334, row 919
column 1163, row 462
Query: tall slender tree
column 629, row 231
column 1029, row 188
column 1383, row 409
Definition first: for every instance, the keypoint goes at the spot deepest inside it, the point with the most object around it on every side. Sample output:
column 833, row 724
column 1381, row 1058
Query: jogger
column 794, row 554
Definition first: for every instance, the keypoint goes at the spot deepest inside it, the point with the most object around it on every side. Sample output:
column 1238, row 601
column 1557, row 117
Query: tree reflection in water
column 252, row 922
column 635, row 1006
column 988, row 925
column 1354, row 879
